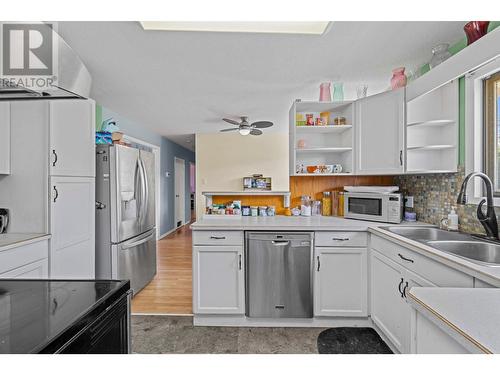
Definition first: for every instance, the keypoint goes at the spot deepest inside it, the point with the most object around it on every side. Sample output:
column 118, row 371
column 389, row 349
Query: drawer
column 23, row 255
column 218, row 237
column 434, row 271
column 336, row 239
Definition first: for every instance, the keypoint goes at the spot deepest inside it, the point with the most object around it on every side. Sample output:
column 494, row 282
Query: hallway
column 170, row 292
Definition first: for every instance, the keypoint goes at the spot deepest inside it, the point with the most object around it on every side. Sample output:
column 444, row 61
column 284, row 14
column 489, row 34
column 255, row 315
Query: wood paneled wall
column 307, row 185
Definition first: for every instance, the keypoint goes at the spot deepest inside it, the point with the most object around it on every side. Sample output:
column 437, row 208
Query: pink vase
column 398, row 78
column 325, row 94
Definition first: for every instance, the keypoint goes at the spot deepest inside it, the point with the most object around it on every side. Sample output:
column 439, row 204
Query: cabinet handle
column 406, row 259
column 239, row 261
column 57, row 193
column 401, row 157
column 340, row 239
column 217, row 238
column 404, row 289
column 319, row 263
column 399, row 287
column 55, row 158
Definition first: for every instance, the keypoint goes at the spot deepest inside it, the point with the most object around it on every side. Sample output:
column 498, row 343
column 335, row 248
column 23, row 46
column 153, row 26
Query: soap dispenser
column 453, row 220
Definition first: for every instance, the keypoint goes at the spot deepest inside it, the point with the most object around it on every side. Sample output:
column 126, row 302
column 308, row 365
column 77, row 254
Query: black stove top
column 33, row 313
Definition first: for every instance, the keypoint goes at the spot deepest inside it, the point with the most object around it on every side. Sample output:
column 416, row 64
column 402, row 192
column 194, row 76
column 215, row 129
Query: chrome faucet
column 488, row 221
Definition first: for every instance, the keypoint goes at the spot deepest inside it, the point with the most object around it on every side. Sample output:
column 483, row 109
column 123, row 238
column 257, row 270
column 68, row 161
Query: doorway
column 179, row 192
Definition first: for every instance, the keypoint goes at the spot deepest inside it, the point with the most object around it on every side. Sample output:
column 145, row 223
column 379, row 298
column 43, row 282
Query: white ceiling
column 179, row 83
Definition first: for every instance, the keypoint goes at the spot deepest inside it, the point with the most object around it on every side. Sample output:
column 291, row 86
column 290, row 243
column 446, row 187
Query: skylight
column 316, row 28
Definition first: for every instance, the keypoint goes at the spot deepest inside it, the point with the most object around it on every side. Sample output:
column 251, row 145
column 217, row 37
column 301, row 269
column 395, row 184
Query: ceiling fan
column 245, row 128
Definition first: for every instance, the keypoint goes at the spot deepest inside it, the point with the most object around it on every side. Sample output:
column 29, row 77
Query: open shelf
column 324, row 149
column 316, row 106
column 432, row 123
column 245, row 192
column 430, row 147
column 324, row 174
column 319, row 129
column 429, row 171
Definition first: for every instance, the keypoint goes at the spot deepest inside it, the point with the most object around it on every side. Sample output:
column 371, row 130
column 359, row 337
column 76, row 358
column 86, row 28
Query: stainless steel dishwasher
column 278, row 272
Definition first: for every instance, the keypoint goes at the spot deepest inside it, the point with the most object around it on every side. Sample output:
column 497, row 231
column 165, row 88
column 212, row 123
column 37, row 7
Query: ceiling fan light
column 244, row 131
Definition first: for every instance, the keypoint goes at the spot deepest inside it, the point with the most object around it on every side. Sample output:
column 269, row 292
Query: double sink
column 462, row 245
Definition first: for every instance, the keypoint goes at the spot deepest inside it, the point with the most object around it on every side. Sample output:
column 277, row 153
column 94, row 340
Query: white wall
column 223, row 159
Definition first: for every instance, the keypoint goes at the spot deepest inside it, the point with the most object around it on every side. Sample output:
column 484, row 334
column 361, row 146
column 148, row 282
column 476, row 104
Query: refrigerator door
column 148, row 215
column 136, row 260
column 127, row 193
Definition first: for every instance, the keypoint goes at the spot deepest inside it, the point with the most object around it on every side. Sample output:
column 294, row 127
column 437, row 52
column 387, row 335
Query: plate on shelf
column 371, row 189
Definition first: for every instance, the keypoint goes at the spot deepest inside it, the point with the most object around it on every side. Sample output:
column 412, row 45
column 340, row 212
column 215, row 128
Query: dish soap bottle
column 453, row 220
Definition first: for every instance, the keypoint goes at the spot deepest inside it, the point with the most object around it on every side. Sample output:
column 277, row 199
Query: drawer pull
column 406, row 259
column 217, row 237
column 399, row 287
column 340, row 239
column 404, row 289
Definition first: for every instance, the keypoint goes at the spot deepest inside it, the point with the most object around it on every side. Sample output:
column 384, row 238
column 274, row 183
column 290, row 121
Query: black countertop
column 34, row 314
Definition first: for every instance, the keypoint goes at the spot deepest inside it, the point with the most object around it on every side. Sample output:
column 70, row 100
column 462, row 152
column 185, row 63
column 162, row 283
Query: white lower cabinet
column 428, row 338
column 72, row 218
column 340, row 282
column 25, row 262
column 388, row 308
column 218, row 280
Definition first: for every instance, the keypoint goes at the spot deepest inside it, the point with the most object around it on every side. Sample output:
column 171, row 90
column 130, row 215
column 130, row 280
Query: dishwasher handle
column 280, row 243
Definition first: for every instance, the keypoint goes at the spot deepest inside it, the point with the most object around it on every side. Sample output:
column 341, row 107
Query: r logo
column 27, row 49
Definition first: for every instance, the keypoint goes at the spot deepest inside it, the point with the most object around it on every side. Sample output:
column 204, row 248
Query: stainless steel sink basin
column 475, row 251
column 427, row 233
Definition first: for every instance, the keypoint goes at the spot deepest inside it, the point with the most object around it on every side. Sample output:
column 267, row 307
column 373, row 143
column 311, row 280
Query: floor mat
column 351, row 340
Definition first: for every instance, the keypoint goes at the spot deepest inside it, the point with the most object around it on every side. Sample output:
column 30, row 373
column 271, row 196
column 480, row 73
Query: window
column 491, row 121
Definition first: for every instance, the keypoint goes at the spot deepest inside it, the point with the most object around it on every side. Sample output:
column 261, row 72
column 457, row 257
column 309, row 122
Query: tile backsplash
column 435, row 195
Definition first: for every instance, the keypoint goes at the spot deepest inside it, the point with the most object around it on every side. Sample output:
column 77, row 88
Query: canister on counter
column 263, row 211
column 335, row 203
column 326, row 204
column 254, row 211
column 340, row 210
column 245, row 210
column 271, row 211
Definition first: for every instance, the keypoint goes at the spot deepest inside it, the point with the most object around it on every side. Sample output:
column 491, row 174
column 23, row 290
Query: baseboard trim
column 160, row 314
column 163, row 235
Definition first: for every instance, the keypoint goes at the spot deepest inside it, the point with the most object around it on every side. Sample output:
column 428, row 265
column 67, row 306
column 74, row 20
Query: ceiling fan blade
column 262, row 124
column 231, row 121
column 229, row 130
column 256, row 132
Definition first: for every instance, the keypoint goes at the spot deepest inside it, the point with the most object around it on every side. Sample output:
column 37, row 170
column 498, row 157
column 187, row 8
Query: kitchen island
column 64, row 316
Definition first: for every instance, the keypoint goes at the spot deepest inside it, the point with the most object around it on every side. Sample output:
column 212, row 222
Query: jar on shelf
column 439, row 54
column 326, row 204
column 398, row 78
column 338, row 92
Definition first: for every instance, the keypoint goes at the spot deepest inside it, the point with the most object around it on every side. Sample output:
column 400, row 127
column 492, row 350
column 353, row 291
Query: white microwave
column 384, row 207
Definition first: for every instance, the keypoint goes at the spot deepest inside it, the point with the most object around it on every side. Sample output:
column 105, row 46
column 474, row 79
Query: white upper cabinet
column 72, row 138
column 72, row 225
column 4, row 138
column 379, row 127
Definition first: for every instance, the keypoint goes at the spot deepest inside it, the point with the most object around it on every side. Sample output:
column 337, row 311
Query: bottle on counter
column 340, row 209
column 326, row 204
column 316, row 208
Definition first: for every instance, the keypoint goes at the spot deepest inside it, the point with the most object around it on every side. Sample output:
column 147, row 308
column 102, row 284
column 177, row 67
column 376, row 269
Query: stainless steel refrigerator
column 125, row 215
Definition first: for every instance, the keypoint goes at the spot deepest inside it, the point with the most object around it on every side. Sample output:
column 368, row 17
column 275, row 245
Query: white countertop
column 473, row 314
column 280, row 222
column 11, row 240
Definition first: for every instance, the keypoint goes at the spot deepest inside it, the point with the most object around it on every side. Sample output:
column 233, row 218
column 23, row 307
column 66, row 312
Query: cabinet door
column 218, row 282
column 35, row 270
column 4, row 138
column 388, row 307
column 72, row 218
column 380, row 125
column 72, row 138
column 340, row 282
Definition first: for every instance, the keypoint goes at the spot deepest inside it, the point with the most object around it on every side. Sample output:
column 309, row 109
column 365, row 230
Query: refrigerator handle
column 137, row 186
column 145, row 189
column 128, row 245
